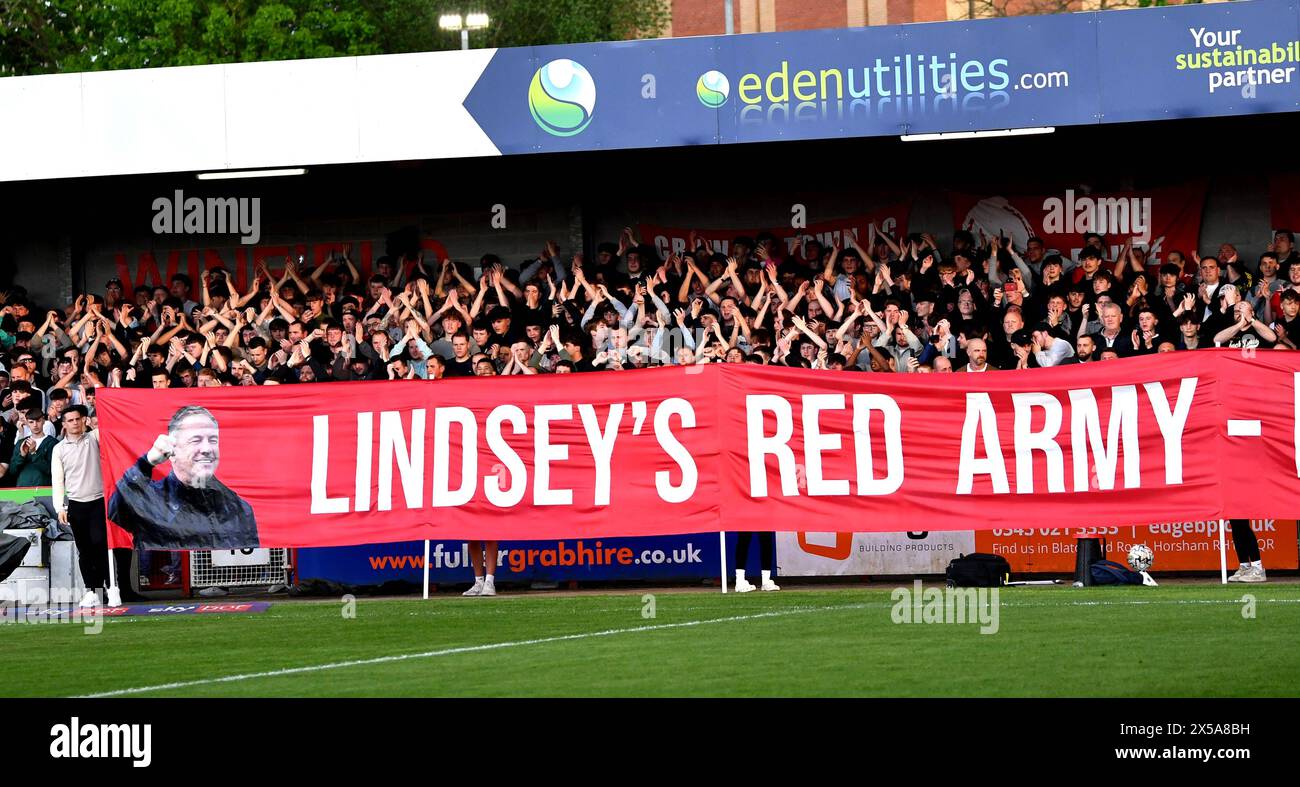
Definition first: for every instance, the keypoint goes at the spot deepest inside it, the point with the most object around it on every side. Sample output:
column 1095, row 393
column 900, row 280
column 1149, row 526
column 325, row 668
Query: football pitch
column 1187, row 640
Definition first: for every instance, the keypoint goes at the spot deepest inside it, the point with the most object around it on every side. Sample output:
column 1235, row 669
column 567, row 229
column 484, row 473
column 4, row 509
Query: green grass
column 1188, row 640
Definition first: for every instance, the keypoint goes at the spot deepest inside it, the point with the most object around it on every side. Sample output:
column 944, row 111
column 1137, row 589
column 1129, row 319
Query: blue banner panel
column 658, row 558
column 1198, row 61
column 1019, row 72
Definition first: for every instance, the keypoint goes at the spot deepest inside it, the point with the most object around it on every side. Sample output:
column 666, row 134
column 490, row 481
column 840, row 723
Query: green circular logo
column 712, row 89
column 562, row 97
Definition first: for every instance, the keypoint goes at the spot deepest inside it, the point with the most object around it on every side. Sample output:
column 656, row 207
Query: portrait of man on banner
column 189, row 508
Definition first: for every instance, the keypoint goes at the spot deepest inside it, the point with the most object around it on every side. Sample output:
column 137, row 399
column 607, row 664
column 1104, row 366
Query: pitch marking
column 456, row 651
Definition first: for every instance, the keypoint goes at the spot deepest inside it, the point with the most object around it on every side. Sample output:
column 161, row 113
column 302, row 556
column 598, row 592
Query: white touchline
column 1243, row 427
column 464, row 649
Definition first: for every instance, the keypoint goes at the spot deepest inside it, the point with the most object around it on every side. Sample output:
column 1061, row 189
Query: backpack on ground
column 978, row 570
column 1108, row 572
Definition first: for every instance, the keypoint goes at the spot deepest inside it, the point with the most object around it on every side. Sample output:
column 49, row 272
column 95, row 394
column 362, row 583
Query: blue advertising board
column 1054, row 70
column 1205, row 60
column 652, row 558
column 656, row 558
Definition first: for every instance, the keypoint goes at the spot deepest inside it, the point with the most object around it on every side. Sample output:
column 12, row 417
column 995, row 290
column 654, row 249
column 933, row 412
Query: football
column 1140, row 557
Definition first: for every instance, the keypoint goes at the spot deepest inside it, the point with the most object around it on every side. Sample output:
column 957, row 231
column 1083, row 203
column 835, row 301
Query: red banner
column 1161, row 220
column 1200, row 435
column 892, row 220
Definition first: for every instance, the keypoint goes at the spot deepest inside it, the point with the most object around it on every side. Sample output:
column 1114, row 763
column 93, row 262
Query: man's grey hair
column 185, row 412
column 1111, row 305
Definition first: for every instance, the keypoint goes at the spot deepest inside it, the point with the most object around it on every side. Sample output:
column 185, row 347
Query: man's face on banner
column 198, row 450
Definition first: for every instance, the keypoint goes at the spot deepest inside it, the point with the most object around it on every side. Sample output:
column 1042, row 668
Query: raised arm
column 793, row 303
column 912, row 341
column 828, row 273
column 1026, row 275
column 843, row 330
column 877, row 233
column 818, row 294
column 728, row 275
column 237, row 300
column 291, row 271
column 684, row 291
column 477, row 306
column 806, row 331
column 112, row 338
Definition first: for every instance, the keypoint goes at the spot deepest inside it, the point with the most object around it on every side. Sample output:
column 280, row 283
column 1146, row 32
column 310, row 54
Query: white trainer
column 114, row 597
column 90, row 600
column 744, row 586
column 476, row 590
column 489, row 588
column 1236, row 577
column 770, row 586
column 1254, row 574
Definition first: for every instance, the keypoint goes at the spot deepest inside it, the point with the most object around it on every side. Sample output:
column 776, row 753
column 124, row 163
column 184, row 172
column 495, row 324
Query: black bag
column 978, row 570
column 12, row 551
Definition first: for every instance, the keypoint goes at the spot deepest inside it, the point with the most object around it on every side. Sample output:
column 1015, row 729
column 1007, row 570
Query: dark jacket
column 167, row 514
column 33, row 470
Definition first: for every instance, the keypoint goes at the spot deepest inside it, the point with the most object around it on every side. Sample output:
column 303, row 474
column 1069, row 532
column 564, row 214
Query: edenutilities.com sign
column 1003, row 73
column 815, row 84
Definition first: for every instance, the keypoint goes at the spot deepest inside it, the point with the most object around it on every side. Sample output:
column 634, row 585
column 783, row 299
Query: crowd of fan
column 882, row 306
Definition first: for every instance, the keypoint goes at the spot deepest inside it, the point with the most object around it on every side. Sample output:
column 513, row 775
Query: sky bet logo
column 562, row 97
